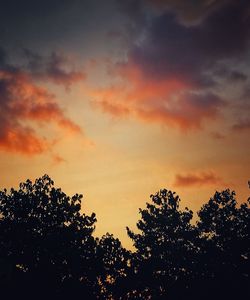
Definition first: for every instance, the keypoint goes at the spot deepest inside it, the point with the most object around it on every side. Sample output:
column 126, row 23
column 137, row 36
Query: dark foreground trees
column 46, row 243
column 177, row 259
column 166, row 247
column 47, row 249
column 224, row 231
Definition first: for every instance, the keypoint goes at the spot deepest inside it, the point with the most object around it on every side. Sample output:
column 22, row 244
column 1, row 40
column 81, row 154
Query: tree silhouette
column 224, row 229
column 47, row 249
column 115, row 262
column 165, row 247
column 177, row 260
column 46, row 243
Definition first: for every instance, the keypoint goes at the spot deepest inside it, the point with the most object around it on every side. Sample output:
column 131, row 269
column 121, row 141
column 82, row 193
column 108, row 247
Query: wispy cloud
column 197, row 179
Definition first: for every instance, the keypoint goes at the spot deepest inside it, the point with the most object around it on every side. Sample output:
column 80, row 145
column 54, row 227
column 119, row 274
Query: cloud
column 172, row 73
column 232, row 75
column 171, row 102
column 201, row 179
column 242, row 125
column 237, row 76
column 189, row 11
column 24, row 106
column 187, row 112
column 55, row 67
column 217, row 135
column 57, row 159
column 22, row 140
column 173, row 49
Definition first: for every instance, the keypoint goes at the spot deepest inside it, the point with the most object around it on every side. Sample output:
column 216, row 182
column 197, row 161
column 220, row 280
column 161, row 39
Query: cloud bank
column 178, row 62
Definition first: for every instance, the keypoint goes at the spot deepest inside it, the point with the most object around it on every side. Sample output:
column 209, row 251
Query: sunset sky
column 116, row 99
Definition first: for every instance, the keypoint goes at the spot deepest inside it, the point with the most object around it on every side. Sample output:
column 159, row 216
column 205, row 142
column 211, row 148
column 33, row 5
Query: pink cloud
column 24, row 104
column 197, row 179
column 173, row 102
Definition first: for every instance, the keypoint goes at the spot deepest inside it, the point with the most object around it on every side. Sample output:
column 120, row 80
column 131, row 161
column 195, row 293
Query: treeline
column 48, row 251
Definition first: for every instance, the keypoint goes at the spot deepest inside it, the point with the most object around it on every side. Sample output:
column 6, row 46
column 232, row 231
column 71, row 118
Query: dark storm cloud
column 173, row 49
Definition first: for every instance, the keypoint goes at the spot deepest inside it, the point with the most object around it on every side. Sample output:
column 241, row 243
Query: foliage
column 177, row 260
column 224, row 228
column 115, row 262
column 45, row 238
column 47, row 248
column 165, row 245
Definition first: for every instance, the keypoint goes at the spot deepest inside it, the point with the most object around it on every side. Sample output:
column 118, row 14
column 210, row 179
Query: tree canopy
column 47, row 248
column 177, row 258
column 44, row 238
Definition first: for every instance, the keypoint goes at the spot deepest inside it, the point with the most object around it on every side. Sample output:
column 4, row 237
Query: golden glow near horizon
column 119, row 114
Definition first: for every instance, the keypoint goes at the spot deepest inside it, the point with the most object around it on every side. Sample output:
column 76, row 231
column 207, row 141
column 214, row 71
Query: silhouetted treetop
column 47, row 248
column 45, row 238
column 161, row 223
column 115, row 262
column 177, row 259
column 165, row 245
column 224, row 228
column 42, row 203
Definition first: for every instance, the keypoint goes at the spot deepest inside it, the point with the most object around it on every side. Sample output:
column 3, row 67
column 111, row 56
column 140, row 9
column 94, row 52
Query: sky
column 117, row 99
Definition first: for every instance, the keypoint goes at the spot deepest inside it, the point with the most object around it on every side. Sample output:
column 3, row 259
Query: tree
column 177, row 259
column 224, row 228
column 47, row 249
column 46, row 243
column 115, row 262
column 165, row 247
